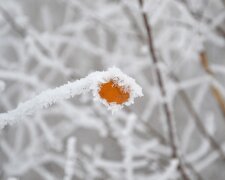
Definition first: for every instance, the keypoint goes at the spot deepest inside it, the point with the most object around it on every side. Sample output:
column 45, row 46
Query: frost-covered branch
column 109, row 95
column 64, row 41
column 166, row 106
column 70, row 167
column 215, row 91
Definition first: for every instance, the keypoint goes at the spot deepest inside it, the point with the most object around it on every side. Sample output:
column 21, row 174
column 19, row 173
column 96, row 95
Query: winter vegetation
column 112, row 89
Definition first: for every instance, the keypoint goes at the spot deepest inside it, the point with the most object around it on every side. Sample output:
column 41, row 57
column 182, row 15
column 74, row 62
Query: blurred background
column 46, row 43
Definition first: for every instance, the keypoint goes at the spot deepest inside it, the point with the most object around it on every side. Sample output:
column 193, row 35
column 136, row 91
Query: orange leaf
column 113, row 93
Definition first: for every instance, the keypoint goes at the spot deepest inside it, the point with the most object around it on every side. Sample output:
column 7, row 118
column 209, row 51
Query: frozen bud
column 115, row 89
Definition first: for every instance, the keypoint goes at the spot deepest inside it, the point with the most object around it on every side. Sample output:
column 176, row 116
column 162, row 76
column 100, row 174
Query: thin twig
column 198, row 16
column 149, row 127
column 198, row 121
column 141, row 37
column 205, row 63
column 166, row 107
column 194, row 113
column 27, row 31
column 215, row 91
column 133, row 22
column 21, row 31
column 152, row 129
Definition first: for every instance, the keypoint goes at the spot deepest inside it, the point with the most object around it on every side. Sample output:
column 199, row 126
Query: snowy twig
column 23, row 32
column 71, row 159
column 188, row 103
column 92, row 83
column 198, row 121
column 215, row 91
column 166, row 106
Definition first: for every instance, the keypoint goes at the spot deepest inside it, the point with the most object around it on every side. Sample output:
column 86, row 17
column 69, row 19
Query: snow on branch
column 112, row 88
column 71, row 159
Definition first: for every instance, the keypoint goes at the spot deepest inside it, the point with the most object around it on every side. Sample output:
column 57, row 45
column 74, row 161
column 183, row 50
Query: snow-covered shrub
column 173, row 48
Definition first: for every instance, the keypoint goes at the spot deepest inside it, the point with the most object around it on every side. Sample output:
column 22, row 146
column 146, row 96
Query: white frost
column 122, row 80
column 90, row 83
column 71, row 159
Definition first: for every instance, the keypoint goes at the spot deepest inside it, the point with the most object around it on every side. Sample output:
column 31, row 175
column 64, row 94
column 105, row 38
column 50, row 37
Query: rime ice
column 129, row 89
column 92, row 83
